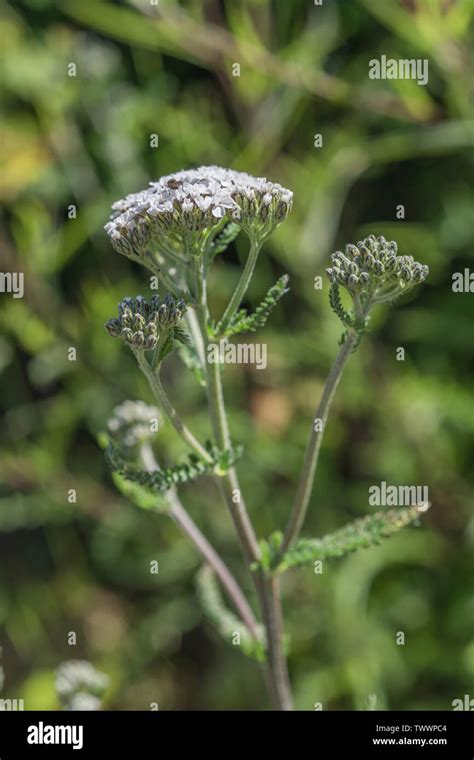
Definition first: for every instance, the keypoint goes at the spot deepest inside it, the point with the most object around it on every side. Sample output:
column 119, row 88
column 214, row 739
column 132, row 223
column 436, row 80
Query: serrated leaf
column 360, row 534
column 191, row 360
column 226, row 623
column 245, row 322
column 181, row 336
column 222, row 241
column 139, row 495
column 160, row 481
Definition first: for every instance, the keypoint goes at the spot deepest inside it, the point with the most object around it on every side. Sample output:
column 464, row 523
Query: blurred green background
column 85, row 141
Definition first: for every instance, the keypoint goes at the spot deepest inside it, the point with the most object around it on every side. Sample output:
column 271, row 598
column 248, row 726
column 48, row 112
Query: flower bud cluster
column 373, row 269
column 141, row 323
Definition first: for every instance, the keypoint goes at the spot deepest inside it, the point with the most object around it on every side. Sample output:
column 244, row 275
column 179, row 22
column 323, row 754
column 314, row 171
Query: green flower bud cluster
column 142, row 323
column 373, row 272
column 133, row 422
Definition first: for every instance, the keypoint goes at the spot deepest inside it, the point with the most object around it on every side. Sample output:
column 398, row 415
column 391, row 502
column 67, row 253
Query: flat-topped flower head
column 373, row 272
column 143, row 324
column 133, row 422
column 191, row 205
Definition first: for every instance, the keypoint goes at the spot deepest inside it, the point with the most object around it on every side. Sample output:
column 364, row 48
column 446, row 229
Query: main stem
column 272, row 614
column 267, row 587
column 306, row 479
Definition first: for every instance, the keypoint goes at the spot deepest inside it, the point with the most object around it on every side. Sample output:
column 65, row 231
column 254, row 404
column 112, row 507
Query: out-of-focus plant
column 80, row 686
column 176, row 228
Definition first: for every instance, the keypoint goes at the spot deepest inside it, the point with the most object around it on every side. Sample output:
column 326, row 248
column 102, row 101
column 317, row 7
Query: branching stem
column 183, row 520
column 168, row 409
column 267, row 587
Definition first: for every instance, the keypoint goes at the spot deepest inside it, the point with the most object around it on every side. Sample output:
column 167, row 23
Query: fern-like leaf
column 160, row 481
column 181, row 336
column 222, row 241
column 245, row 322
column 360, row 534
column 346, row 317
column 176, row 338
column 139, row 495
column 190, row 359
column 226, row 623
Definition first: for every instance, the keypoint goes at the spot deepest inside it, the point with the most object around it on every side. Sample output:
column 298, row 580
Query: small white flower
column 79, row 685
column 133, row 422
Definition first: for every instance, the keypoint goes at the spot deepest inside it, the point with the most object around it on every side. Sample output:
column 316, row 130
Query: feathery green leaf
column 226, row 623
column 163, row 479
column 245, row 322
column 360, row 534
column 222, row 241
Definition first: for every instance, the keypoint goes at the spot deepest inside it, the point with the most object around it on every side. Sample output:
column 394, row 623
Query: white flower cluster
column 192, row 203
column 79, row 685
column 132, row 423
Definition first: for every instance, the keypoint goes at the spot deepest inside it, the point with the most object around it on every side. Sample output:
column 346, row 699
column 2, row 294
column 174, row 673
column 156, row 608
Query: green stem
column 230, row 585
column 276, row 674
column 184, row 521
column 168, row 409
column 277, row 662
column 195, row 331
column 306, row 479
column 167, row 280
column 228, row 484
column 242, row 285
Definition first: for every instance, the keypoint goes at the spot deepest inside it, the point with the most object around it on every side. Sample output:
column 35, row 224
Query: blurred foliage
column 84, row 141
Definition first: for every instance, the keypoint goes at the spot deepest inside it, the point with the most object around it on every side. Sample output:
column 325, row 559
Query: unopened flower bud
column 127, row 334
column 139, row 322
column 113, row 327
column 352, row 281
column 138, row 339
column 150, row 342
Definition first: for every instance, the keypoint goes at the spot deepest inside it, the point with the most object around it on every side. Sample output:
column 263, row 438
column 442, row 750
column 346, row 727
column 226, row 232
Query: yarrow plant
column 176, row 228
